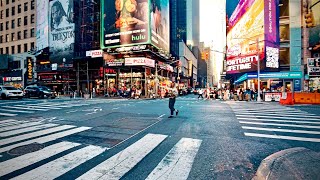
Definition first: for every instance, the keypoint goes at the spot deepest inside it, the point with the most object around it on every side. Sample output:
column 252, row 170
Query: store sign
column 129, row 75
column 313, row 66
column 29, row 68
column 115, row 62
column 272, row 96
column 94, row 53
column 131, row 48
column 136, row 61
column 11, row 79
column 165, row 67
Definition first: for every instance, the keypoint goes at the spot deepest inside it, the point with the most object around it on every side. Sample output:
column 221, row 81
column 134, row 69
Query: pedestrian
column 200, row 92
column 172, row 100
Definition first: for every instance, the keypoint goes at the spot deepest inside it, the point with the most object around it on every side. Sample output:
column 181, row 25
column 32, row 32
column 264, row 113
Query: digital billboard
column 124, row 22
column 314, row 33
column 61, row 31
column 160, row 21
column 42, row 24
column 253, row 31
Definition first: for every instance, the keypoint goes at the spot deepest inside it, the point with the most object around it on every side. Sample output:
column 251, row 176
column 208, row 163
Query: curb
column 267, row 165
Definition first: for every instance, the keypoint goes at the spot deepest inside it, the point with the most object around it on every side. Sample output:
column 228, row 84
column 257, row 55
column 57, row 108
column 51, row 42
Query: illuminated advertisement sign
column 42, row 24
column 61, row 31
column 137, row 61
column 29, row 69
column 134, row 22
column 314, row 33
column 253, row 35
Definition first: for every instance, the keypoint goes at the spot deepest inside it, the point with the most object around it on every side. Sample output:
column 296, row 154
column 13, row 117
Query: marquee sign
column 29, row 69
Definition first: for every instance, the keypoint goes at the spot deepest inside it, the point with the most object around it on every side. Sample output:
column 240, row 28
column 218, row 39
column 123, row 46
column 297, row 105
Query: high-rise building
column 17, row 26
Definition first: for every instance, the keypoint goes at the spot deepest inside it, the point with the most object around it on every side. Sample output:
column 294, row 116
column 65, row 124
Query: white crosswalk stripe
column 277, row 122
column 28, row 129
column 7, row 120
column 3, row 129
column 8, row 114
column 11, row 123
column 16, row 111
column 60, row 158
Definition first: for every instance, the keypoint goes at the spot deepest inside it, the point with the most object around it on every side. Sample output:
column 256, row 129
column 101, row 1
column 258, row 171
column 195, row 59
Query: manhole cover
column 25, row 149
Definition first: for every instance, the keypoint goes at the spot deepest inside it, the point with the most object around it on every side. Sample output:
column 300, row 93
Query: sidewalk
column 295, row 163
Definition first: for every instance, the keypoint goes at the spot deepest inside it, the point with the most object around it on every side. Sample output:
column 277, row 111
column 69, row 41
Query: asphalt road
column 135, row 139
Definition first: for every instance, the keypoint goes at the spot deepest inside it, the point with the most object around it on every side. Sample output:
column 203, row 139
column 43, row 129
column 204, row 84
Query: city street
column 134, row 139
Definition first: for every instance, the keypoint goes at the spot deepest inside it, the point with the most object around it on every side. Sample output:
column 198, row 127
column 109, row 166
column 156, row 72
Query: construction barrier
column 286, row 99
column 306, row 98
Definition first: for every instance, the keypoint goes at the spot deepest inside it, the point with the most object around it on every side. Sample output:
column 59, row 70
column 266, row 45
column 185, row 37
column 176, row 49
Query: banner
column 42, row 34
column 61, row 31
column 29, row 68
column 313, row 66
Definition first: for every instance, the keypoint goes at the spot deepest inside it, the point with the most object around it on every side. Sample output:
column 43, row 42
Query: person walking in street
column 200, row 92
column 172, row 100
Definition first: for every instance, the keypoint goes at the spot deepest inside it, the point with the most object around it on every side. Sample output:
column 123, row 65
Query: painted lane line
column 274, row 124
column 34, row 134
column 46, row 139
column 281, row 130
column 31, row 158
column 278, row 117
column 8, row 114
column 279, row 120
column 161, row 116
column 277, row 113
column 11, row 123
column 7, row 120
column 267, row 110
column 24, row 108
column 38, row 107
column 62, row 165
column 28, row 129
column 282, row 137
column 121, row 163
column 2, row 129
column 16, row 111
column 178, row 161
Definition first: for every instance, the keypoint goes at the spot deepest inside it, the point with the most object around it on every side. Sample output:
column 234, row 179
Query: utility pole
column 157, row 81
column 258, row 69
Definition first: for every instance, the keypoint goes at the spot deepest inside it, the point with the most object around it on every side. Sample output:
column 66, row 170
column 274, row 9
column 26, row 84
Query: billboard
column 253, row 35
column 30, row 74
column 314, row 33
column 61, row 31
column 133, row 22
column 42, row 34
column 160, row 20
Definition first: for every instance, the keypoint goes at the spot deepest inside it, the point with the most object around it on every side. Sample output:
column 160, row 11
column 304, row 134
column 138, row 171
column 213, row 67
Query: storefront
column 313, row 77
column 13, row 78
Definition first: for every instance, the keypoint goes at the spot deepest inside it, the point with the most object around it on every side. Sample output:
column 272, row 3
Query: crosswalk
column 273, row 121
column 14, row 108
column 60, row 157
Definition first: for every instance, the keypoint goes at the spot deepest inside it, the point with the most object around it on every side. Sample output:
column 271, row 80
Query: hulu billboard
column 133, row 22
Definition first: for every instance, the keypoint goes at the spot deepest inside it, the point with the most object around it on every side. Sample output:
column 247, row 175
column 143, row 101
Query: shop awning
column 271, row 75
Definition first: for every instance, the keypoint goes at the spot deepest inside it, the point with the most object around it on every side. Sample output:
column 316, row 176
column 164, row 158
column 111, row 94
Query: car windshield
column 10, row 88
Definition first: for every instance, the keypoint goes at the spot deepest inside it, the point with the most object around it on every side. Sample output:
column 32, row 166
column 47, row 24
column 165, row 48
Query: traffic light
column 203, row 57
column 207, row 56
column 309, row 18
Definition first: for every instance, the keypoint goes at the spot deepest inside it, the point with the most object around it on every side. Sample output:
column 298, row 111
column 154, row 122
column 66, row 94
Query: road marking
column 119, row 164
column 277, row 113
column 2, row 129
column 11, row 123
column 62, row 165
column 33, row 109
column 281, row 130
column 282, row 137
column 279, row 120
column 31, row 158
column 8, row 114
column 278, row 117
column 28, row 129
column 178, row 161
column 47, row 138
column 267, row 110
column 15, row 111
column 34, row 134
column 274, row 124
column 36, row 106
column 161, row 116
column 7, row 120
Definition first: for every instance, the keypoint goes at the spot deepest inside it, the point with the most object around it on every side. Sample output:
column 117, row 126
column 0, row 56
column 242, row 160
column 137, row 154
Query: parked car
column 7, row 92
column 39, row 91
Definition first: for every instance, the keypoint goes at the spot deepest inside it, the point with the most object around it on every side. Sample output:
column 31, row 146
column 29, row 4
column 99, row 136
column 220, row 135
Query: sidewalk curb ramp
column 294, row 164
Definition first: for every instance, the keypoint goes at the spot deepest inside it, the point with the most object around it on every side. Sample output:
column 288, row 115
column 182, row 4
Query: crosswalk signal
column 309, row 18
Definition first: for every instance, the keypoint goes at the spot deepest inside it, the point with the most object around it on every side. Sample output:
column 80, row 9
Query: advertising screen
column 61, row 31
column 160, row 20
column 253, row 32
column 124, row 22
column 314, row 33
column 42, row 24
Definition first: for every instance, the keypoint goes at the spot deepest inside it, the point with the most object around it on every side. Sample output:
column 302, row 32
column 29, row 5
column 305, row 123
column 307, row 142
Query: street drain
column 21, row 150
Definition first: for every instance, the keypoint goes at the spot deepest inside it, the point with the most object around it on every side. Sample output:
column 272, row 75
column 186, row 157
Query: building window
column 32, row 4
column 13, row 24
column 1, row 14
column 1, row 50
column 13, row 1
column 25, row 47
column 12, row 49
column 7, row 25
column 1, row 39
column 32, row 45
column 7, row 12
column 7, row 38
column 12, row 37
column 25, row 21
column 19, row 48
column 19, row 8
column 32, row 32
column 19, row 22
column 25, row 34
column 1, row 26
column 25, row 7
column 32, row 18
column 19, row 35
column 7, row 1
column 7, row 50
column 13, row 11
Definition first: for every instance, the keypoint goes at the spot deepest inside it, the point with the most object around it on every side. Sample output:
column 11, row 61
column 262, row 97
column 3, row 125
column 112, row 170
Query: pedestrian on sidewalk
column 172, row 100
